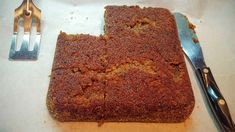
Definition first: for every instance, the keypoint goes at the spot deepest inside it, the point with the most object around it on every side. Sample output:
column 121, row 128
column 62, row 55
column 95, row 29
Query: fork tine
column 36, row 47
column 13, row 46
column 37, row 42
column 25, row 44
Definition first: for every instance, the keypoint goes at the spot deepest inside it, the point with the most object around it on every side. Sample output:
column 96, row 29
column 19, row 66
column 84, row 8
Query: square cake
column 134, row 72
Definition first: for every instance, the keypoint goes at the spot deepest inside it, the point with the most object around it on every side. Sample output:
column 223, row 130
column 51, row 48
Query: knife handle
column 215, row 99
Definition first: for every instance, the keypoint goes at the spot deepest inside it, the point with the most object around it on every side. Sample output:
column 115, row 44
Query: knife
column 193, row 51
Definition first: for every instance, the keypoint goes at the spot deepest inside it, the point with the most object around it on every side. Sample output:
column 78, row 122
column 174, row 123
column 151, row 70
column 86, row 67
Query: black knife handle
column 215, row 99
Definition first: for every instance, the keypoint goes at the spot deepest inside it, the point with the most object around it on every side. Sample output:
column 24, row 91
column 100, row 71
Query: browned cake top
column 154, row 27
column 83, row 51
column 122, row 19
column 136, row 72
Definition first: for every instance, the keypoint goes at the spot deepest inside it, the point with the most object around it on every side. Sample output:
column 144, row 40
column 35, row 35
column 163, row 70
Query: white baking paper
column 24, row 85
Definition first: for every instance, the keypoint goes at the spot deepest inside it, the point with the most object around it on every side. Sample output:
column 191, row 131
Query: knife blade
column 193, row 51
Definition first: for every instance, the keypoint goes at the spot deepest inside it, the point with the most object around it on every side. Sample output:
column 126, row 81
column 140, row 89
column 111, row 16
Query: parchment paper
column 24, row 85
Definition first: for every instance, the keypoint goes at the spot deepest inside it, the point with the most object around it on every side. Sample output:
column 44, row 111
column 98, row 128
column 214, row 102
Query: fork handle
column 215, row 99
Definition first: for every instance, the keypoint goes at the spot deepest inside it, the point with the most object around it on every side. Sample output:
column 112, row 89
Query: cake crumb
column 195, row 41
column 100, row 123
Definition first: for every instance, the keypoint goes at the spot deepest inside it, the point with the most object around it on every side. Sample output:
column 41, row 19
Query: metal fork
column 30, row 14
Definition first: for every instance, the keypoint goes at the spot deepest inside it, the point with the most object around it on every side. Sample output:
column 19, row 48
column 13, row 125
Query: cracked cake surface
column 134, row 72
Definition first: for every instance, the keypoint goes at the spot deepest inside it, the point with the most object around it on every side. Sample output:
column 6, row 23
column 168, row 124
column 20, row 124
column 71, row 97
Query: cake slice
column 76, row 91
column 151, row 82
